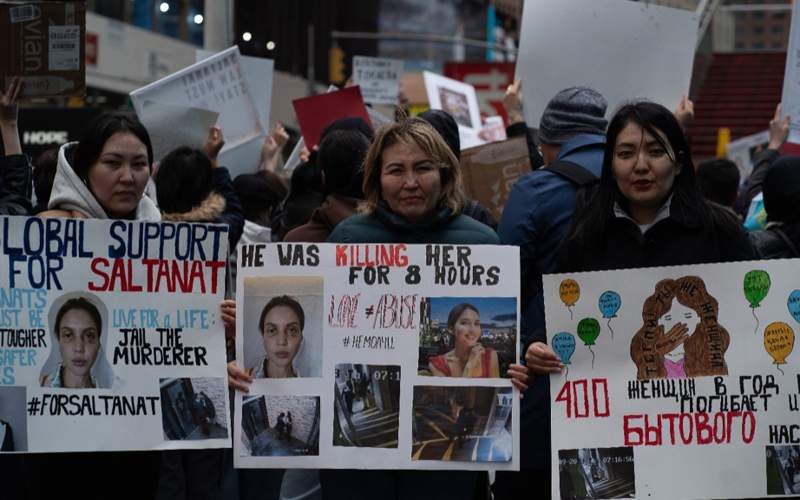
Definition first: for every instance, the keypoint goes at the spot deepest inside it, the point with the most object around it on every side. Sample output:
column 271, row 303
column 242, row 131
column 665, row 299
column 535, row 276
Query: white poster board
column 458, row 99
column 217, row 84
column 361, row 331
column 680, row 382
column 743, row 150
column 624, row 50
column 379, row 78
column 110, row 336
column 790, row 99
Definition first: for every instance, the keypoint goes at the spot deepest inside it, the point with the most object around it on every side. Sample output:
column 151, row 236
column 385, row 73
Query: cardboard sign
column 215, row 84
column 378, row 78
column 685, row 372
column 353, row 350
column 490, row 81
column 43, row 42
column 314, row 113
column 491, row 170
column 108, row 325
column 651, row 58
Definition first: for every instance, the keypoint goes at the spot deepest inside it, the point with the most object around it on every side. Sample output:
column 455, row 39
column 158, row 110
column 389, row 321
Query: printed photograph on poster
column 283, row 326
column 456, row 104
column 280, row 426
column 13, row 419
column 465, row 424
column 457, row 98
column 597, row 473
column 194, row 408
column 783, row 470
column 79, row 333
column 471, row 337
column 366, row 405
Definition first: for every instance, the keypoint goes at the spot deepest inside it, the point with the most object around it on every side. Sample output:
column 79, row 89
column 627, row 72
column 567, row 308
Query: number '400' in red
column 585, row 398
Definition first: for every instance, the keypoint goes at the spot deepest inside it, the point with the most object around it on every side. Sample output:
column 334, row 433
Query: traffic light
column 336, row 68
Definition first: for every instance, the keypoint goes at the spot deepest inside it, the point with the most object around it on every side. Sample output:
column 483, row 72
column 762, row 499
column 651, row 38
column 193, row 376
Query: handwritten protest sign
column 378, row 78
column 215, row 84
column 657, row 46
column 790, row 99
column 683, row 372
column 110, row 337
column 354, row 351
column 742, row 151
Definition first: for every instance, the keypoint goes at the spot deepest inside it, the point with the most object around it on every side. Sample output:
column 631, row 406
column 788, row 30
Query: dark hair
column 83, row 305
column 782, row 190
column 457, row 311
column 98, row 132
column 719, row 181
column 285, row 301
column 183, row 180
column 341, row 157
column 259, row 193
column 44, row 171
column 589, row 222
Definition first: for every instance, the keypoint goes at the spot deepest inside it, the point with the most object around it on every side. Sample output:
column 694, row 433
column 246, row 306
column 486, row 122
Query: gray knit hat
column 573, row 111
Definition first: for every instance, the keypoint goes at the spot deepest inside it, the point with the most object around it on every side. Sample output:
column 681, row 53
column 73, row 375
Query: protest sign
column 490, row 81
column 790, row 99
column 675, row 372
column 110, row 337
column 742, row 151
column 458, row 99
column 491, row 170
column 316, row 112
column 651, row 58
column 258, row 72
column 378, row 78
column 43, row 42
column 215, row 84
column 353, row 353
column 160, row 119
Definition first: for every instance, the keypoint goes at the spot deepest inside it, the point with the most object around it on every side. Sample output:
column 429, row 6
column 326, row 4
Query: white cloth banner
column 355, row 365
column 679, row 382
column 624, row 50
column 110, row 337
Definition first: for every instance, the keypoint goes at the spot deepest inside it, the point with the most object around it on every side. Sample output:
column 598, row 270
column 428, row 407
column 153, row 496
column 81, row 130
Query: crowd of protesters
column 603, row 195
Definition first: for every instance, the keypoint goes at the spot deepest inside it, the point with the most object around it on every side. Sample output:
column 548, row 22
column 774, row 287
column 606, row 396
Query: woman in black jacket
column 647, row 210
column 781, row 238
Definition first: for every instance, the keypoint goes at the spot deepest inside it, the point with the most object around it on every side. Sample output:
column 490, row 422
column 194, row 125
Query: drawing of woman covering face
column 680, row 336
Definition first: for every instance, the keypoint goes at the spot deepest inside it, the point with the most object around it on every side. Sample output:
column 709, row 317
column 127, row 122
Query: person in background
column 15, row 170
column 305, row 195
column 44, row 172
column 341, row 153
column 781, row 188
column 719, row 181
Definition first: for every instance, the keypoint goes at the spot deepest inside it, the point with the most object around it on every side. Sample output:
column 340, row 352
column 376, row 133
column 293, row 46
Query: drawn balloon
column 756, row 287
column 588, row 331
column 609, row 304
column 563, row 344
column 779, row 342
column 794, row 305
column 570, row 292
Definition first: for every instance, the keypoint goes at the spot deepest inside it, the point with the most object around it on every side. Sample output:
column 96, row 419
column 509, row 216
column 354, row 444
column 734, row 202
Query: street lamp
column 247, row 36
column 270, row 45
column 164, row 7
column 198, row 19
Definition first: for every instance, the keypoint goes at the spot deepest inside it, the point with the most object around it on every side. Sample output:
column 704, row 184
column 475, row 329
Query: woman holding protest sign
column 468, row 358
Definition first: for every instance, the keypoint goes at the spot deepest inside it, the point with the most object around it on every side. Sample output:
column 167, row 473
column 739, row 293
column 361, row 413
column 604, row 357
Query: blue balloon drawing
column 794, row 305
column 609, row 304
column 564, row 345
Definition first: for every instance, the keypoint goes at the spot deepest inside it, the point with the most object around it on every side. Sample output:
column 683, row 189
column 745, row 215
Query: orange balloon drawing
column 570, row 292
column 779, row 341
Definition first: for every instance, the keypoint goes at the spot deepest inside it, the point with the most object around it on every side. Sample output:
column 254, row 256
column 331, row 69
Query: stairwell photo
column 367, row 405
column 597, row 473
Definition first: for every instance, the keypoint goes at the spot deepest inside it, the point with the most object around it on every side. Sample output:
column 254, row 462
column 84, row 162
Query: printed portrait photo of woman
column 468, row 358
column 680, row 336
column 78, row 334
column 281, row 325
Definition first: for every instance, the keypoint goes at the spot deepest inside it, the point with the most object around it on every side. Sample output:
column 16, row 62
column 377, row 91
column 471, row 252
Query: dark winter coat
column 335, row 209
column 15, row 185
column 777, row 241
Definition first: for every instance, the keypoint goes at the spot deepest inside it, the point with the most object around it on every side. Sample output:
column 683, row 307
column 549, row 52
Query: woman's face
column 679, row 313
column 120, row 174
column 643, row 169
column 79, row 342
column 467, row 329
column 282, row 336
column 411, row 183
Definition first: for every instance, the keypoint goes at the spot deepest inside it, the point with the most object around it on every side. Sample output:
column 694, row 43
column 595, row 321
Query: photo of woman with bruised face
column 281, row 324
column 78, row 330
column 680, row 336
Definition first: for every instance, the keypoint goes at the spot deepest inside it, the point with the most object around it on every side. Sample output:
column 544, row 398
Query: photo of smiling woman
column 281, row 324
column 468, row 358
column 78, row 333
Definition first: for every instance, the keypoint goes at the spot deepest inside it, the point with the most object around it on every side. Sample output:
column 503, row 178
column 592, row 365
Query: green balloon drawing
column 756, row 288
column 588, row 331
